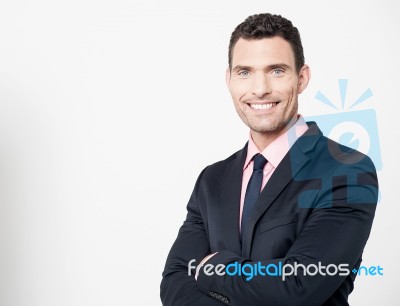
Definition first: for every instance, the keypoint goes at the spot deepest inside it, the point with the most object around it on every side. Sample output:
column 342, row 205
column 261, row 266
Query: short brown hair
column 266, row 25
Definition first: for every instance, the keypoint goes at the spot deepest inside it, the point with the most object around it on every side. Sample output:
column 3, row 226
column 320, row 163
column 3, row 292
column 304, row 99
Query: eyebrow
column 240, row 67
column 269, row 67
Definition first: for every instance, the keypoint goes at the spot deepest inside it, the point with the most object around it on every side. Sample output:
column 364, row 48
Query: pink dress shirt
column 274, row 153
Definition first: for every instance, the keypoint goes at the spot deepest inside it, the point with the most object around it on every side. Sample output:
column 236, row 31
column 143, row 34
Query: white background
column 110, row 109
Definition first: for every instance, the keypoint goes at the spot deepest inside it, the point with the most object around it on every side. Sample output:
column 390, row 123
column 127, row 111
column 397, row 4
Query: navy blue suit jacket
column 317, row 207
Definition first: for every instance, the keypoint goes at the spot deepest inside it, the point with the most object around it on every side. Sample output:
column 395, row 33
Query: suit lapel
column 230, row 201
column 291, row 164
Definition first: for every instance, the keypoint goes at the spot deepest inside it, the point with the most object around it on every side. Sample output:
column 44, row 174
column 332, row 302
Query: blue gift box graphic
column 356, row 129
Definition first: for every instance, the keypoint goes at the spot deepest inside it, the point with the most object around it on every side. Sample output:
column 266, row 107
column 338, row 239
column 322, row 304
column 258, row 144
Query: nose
column 261, row 85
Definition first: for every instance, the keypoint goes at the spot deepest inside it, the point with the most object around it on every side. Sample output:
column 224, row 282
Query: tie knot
column 259, row 162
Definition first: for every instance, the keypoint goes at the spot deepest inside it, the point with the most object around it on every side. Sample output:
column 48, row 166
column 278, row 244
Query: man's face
column 264, row 83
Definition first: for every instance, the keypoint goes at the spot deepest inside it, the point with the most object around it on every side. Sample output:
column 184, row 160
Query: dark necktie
column 253, row 189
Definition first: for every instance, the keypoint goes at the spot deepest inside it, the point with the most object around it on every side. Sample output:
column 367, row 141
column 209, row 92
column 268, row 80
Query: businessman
column 292, row 207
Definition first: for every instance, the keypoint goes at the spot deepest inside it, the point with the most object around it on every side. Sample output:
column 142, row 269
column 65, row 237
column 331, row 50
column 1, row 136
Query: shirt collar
column 277, row 149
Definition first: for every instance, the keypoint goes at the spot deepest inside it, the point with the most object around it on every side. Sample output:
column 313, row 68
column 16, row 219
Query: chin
column 267, row 127
column 265, row 130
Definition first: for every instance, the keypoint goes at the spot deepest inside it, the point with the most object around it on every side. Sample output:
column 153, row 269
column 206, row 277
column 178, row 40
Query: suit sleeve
column 178, row 288
column 336, row 232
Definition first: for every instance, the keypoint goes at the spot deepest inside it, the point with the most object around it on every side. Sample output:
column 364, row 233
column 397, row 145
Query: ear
column 227, row 76
column 304, row 78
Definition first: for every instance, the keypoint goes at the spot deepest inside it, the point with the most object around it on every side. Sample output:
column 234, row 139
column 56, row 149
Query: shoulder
column 216, row 171
column 327, row 153
column 343, row 174
column 344, row 157
column 227, row 161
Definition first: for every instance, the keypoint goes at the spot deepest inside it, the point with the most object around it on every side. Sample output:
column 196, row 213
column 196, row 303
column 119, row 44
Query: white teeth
column 263, row 106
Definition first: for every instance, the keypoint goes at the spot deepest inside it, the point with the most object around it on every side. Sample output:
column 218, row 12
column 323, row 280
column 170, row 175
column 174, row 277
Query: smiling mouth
column 261, row 106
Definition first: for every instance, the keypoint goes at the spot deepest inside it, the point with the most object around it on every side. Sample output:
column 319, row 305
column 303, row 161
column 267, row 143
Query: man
column 291, row 197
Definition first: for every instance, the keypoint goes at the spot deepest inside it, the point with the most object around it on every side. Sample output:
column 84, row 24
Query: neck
column 263, row 140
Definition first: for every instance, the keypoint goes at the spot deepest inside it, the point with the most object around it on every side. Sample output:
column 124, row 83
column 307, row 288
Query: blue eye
column 243, row 73
column 278, row 71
